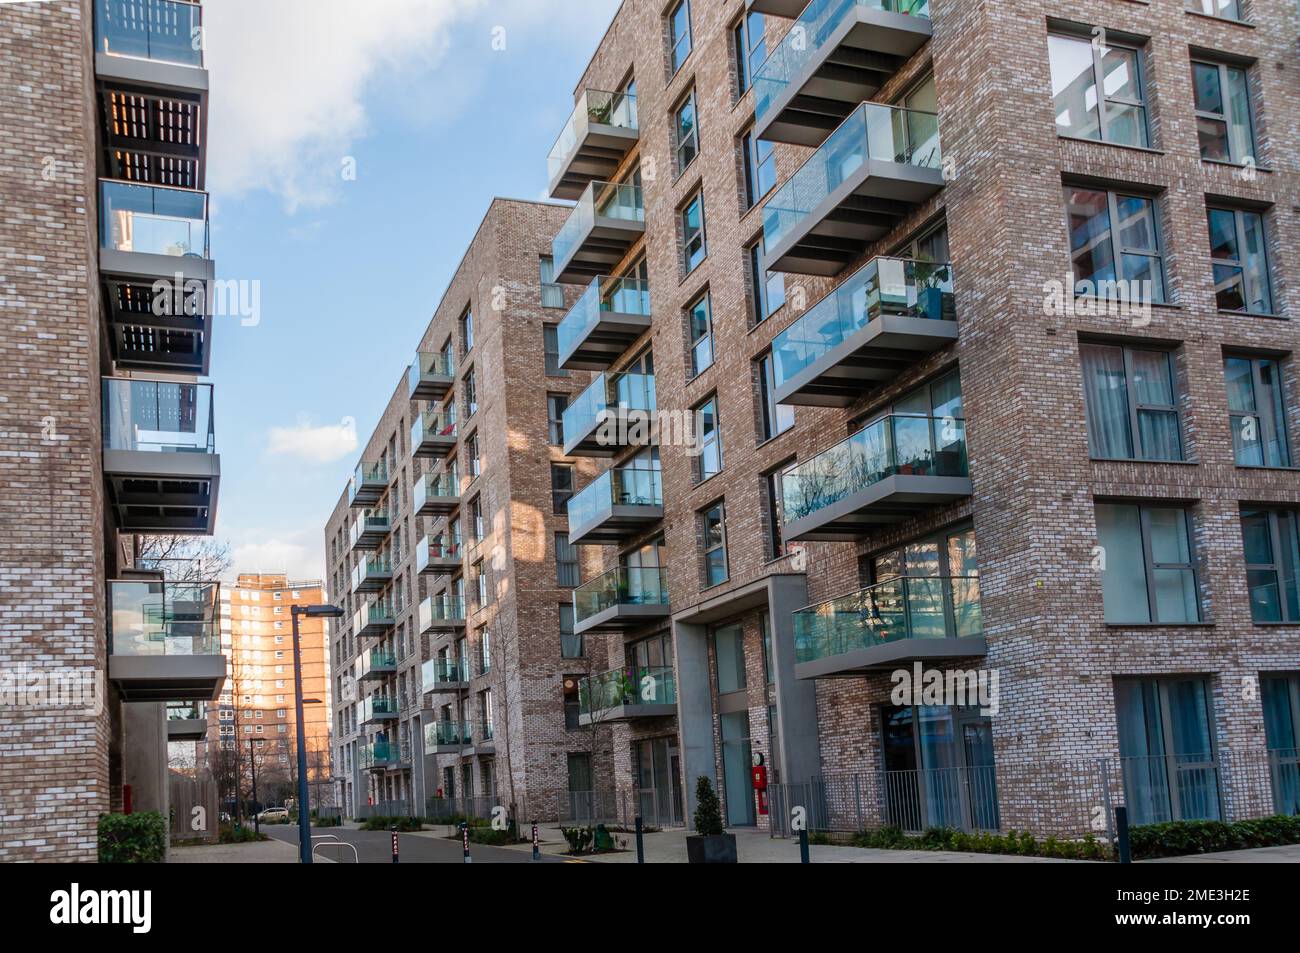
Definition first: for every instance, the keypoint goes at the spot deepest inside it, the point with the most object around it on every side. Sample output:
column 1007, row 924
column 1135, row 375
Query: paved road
column 376, row 847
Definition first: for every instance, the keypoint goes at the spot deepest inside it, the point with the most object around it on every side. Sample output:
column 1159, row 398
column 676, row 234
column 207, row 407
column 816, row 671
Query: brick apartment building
column 870, row 250
column 255, row 721
column 448, row 552
column 107, row 432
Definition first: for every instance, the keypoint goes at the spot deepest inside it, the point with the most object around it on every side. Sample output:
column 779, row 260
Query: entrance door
column 736, row 762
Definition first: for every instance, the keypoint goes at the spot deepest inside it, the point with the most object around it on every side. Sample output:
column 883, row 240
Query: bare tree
column 184, row 558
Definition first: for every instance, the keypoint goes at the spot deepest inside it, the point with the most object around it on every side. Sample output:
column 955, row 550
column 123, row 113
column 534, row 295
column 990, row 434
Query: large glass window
column 552, row 292
column 1148, row 571
column 567, row 575
column 687, row 133
column 699, row 317
column 694, row 245
column 767, row 291
column 1223, row 123
column 776, row 418
column 1281, row 697
column 556, row 404
column 938, row 768
column 570, row 644
column 1115, row 236
column 679, row 34
column 715, row 545
column 467, row 331
column 760, row 167
column 551, row 351
column 751, row 49
column 1256, row 412
column 1227, row 9
column 729, row 648
column 561, row 486
column 1238, row 247
column 708, row 436
column 1166, row 747
column 1131, row 397
column 1272, row 550
column 1080, row 69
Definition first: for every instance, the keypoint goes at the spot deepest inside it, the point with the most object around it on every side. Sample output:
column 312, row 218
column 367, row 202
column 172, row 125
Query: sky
column 353, row 149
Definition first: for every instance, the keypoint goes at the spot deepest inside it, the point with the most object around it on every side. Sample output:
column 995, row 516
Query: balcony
column 445, row 674
column 372, row 573
column 447, row 737
column 370, row 528
column 617, row 504
column 613, row 413
column 152, row 91
column 165, row 641
column 606, row 222
column 620, row 599
column 871, row 173
column 838, row 54
column 187, row 721
column 865, row 333
column 431, row 376
column 178, row 340
column 608, row 319
column 627, row 694
column 438, row 555
column 789, row 9
column 376, row 710
column 435, row 494
column 150, row 233
column 160, row 460
column 890, row 471
column 433, row 434
column 904, row 619
column 484, row 739
column 442, row 613
column 375, row 619
column 374, row 665
column 597, row 138
column 380, row 756
column 369, row 483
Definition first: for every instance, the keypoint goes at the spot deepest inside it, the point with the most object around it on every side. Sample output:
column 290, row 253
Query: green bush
column 132, row 838
column 332, row 820
column 708, row 813
column 1176, row 838
column 1019, row 844
column 579, row 839
column 492, row 837
column 242, row 834
column 404, row 824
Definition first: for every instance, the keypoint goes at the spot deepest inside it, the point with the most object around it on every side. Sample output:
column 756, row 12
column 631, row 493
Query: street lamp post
column 304, row 812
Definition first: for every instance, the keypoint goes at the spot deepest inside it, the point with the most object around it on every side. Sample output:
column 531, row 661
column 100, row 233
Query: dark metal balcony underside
column 872, row 356
column 626, row 713
column 615, row 524
column 777, row 8
column 626, row 427
column 141, row 340
column 891, row 500
column 599, row 250
column 163, row 492
column 368, row 493
column 375, row 626
column 431, row 386
column 857, row 57
column 372, row 581
column 889, row 655
column 434, row 444
column 436, row 505
column 622, row 617
column 597, row 157
column 187, row 729
column 167, row 678
column 612, row 335
column 440, row 565
column 152, row 132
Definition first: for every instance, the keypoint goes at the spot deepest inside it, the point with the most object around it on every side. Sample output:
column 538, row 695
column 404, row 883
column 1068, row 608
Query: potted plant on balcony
column 710, row 844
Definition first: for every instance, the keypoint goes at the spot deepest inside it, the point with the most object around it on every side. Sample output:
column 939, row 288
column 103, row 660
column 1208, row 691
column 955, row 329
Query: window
column 470, row 389
column 476, row 525
column 699, row 318
column 570, row 644
column 1280, row 695
column 480, row 585
column 776, row 418
column 556, row 405
column 729, row 649
column 467, row 332
column 471, row 451
column 1166, row 749
column 715, row 546
column 1080, row 68
column 679, row 35
column 1272, row 547
column 772, row 499
column 551, row 348
column 567, row 575
column 767, row 288
column 708, row 439
column 1147, row 566
column 686, row 133
column 552, row 292
column 485, row 651
column 579, row 764
column 1132, row 401
column 1256, row 412
column 561, row 486
column 760, row 167
column 1097, row 258
column 693, row 242
column 1227, row 9
column 1238, row 250
column 751, row 49
column 934, row 582
column 1223, row 123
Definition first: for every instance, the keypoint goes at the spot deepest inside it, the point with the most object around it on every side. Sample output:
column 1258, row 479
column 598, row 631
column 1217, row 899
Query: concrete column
column 144, row 756
column 694, row 709
column 796, row 699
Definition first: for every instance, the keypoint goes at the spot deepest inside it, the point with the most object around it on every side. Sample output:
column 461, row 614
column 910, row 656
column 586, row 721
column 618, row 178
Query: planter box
column 713, row 849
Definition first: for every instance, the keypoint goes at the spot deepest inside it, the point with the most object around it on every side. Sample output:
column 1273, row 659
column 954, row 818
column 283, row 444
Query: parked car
column 274, row 815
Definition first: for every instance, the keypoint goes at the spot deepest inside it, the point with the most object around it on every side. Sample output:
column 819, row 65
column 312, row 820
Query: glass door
column 736, row 762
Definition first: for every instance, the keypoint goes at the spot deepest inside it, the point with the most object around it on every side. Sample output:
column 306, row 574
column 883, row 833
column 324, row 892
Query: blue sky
column 442, row 104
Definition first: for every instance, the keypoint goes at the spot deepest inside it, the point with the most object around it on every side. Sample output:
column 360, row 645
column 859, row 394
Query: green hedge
column 1178, row 838
column 242, row 834
column 1018, row 844
column 403, row 823
column 132, row 838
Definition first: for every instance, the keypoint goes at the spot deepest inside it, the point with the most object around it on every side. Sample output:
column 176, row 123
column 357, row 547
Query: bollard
column 394, row 845
column 464, row 841
column 803, row 846
column 640, row 841
column 1123, row 847
column 537, row 848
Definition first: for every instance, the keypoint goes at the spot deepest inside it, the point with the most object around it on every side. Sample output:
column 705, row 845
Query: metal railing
column 157, row 416
column 165, row 31
column 153, row 219
column 634, row 685
column 599, row 200
column 595, row 107
column 619, row 486
column 605, row 394
column 603, row 296
column 623, row 585
column 149, row 618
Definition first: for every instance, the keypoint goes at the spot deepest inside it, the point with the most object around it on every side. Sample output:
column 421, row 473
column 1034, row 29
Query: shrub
column 1176, row 838
column 331, row 820
column 708, row 812
column 983, row 842
column 483, row 834
column 132, row 838
column 579, row 839
column 231, row 834
column 403, row 823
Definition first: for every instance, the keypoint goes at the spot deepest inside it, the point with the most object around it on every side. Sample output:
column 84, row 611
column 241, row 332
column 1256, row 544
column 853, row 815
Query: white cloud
column 322, row 444
column 252, row 552
column 289, row 79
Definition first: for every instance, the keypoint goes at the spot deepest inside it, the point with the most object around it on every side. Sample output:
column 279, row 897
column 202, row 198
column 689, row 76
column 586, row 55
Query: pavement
column 1289, row 854
column 423, row 847
column 254, row 852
